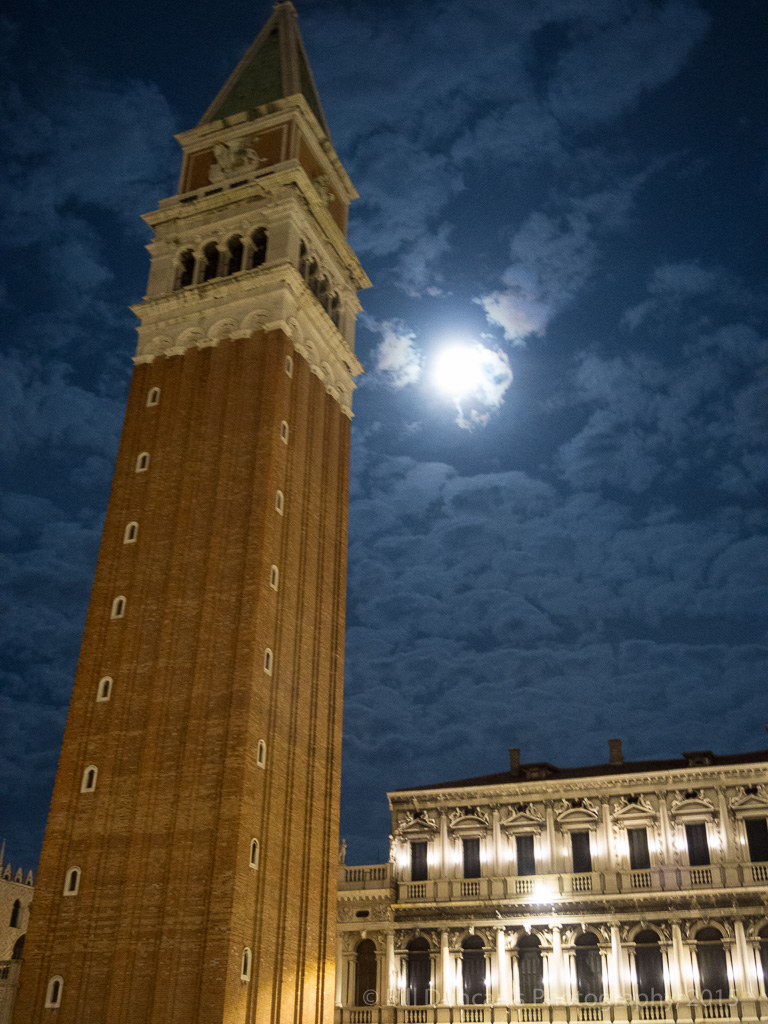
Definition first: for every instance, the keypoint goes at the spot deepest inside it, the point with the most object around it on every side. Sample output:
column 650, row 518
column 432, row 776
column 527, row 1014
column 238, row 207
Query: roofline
column 588, row 771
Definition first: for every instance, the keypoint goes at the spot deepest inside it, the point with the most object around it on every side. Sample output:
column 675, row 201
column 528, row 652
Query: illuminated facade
column 624, row 891
column 188, row 872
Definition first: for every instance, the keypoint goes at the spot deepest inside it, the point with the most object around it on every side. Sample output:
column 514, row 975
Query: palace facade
column 623, row 891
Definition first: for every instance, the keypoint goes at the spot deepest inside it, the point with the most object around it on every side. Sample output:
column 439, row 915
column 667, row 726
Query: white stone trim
column 265, row 299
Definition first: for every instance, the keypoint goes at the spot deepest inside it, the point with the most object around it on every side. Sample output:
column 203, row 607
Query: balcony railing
column 746, row 1011
column 365, row 876
column 546, row 888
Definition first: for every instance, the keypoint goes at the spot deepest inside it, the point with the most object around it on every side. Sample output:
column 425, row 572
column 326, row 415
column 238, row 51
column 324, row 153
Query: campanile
column 188, row 869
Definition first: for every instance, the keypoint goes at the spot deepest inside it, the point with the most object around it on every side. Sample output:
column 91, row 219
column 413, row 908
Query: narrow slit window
column 15, row 912
column 269, row 660
column 53, row 992
column 289, row 366
column 153, row 396
column 254, row 857
column 118, row 608
column 142, row 462
column 261, row 754
column 91, row 773
column 104, row 691
column 284, row 432
column 131, row 533
column 245, row 966
column 280, row 502
column 72, row 882
column 274, row 577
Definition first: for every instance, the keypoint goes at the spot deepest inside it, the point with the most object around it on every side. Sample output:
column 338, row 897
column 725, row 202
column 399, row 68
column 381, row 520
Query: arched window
column 153, row 396
column 18, row 948
column 321, row 288
column 312, row 274
column 104, row 689
column 269, row 660
column 15, row 912
column 473, row 969
column 245, row 965
column 365, row 974
column 212, row 256
column 284, row 432
column 279, row 502
column 118, row 608
column 185, row 270
column 253, row 860
column 72, row 882
column 261, row 754
column 289, row 365
column 91, row 773
column 713, row 969
column 142, row 462
column 53, row 992
column 763, row 936
column 258, row 248
column 418, row 971
column 531, row 969
column 589, row 974
column 130, row 533
column 234, row 256
column 649, row 968
column 274, row 576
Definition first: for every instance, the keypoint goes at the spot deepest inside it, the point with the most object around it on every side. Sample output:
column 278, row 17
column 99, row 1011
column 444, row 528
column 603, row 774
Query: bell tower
column 188, row 869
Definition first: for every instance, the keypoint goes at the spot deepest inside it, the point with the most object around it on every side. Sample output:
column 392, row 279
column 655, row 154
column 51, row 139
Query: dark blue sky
column 574, row 552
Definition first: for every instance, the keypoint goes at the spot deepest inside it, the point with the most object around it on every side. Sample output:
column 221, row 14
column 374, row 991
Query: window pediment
column 578, row 813
column 754, row 802
column 692, row 806
column 416, row 825
column 523, row 818
column 469, row 821
column 630, row 811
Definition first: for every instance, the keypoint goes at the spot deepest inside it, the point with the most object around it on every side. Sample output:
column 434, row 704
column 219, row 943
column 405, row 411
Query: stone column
column 616, row 987
column 676, row 964
column 553, row 867
column 445, row 865
column 497, row 866
column 557, row 979
column 389, row 971
column 743, row 976
column 502, row 987
column 516, row 996
column 608, row 859
column 339, row 969
column 445, row 969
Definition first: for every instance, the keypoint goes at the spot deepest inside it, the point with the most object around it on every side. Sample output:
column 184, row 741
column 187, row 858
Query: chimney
column 514, row 760
column 615, row 755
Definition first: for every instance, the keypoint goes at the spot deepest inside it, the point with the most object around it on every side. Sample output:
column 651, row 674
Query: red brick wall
column 167, row 899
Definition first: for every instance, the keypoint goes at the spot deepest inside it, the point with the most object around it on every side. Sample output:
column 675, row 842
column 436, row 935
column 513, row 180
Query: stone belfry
column 188, row 869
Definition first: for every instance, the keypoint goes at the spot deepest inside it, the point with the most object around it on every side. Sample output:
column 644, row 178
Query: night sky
column 575, row 190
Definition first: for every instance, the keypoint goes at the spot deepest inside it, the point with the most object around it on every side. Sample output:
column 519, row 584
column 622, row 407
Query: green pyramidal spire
column 274, row 67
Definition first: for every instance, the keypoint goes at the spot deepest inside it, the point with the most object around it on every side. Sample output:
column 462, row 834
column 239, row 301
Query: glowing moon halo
column 458, row 370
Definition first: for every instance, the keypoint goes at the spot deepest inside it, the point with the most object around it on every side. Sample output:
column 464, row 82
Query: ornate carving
column 469, row 820
column 692, row 804
column 578, row 812
column 416, row 823
column 751, row 800
column 322, row 185
column 629, row 809
column 236, row 157
column 523, row 818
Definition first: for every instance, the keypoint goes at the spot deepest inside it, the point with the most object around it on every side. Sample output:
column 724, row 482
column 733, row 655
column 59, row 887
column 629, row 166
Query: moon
column 458, row 370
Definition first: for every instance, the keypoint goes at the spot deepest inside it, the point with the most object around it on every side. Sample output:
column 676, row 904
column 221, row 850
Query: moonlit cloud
column 397, row 358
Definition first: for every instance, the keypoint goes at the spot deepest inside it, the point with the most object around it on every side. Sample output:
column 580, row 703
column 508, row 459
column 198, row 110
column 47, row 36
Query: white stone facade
column 618, row 892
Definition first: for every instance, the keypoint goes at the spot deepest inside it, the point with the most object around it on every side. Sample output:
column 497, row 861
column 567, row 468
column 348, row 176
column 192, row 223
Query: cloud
column 397, row 357
column 475, row 408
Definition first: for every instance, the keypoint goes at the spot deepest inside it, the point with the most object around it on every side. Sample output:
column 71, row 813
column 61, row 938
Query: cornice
column 546, row 789
column 268, row 298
